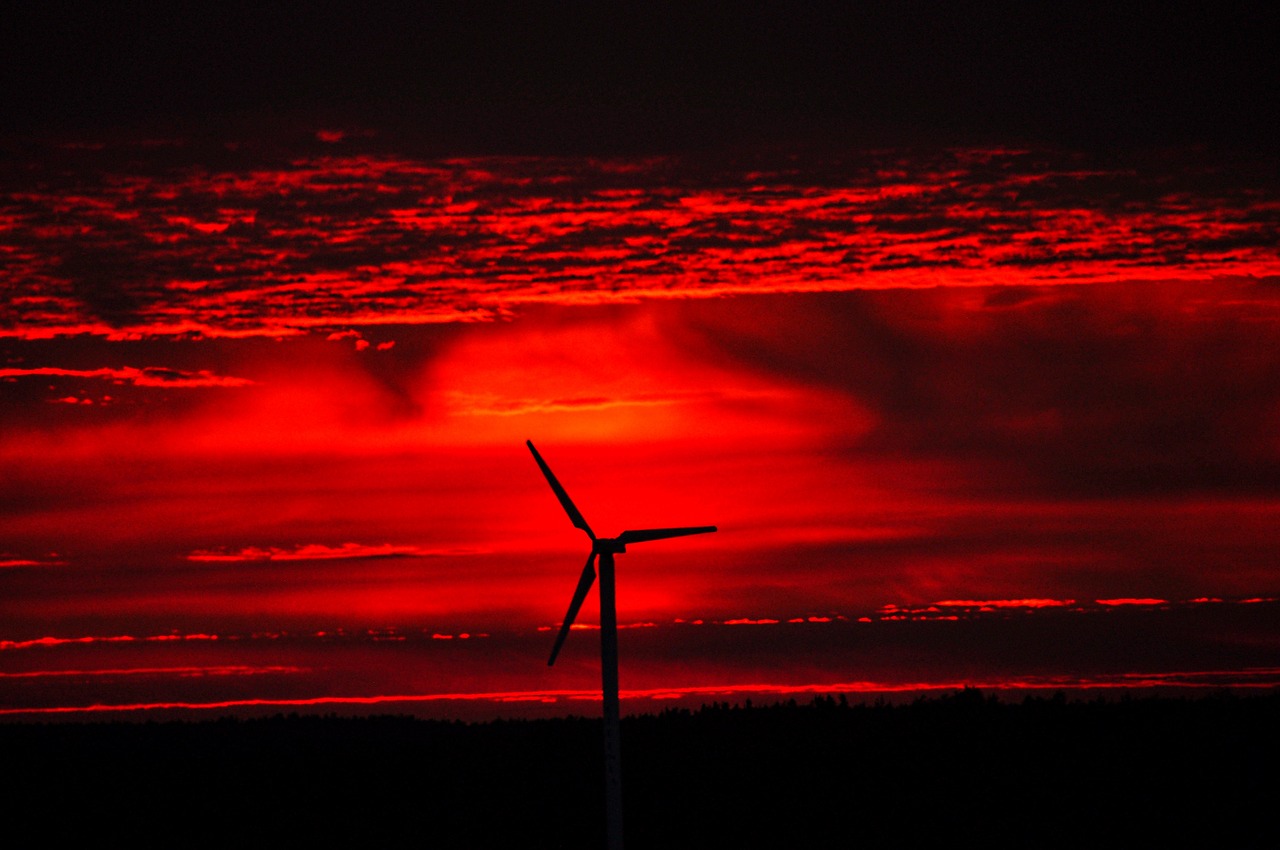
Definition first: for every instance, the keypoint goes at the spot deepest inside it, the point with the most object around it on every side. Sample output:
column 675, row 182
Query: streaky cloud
column 178, row 672
column 147, row 376
column 1244, row 679
column 320, row 552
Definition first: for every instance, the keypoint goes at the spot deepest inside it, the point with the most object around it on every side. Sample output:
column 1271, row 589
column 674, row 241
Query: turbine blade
column 644, row 534
column 584, row 584
column 574, row 514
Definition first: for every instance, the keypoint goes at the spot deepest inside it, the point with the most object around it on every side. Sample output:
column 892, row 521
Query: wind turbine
column 604, row 549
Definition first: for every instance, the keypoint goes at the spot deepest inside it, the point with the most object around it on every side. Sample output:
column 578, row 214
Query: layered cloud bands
column 986, row 416
column 168, row 238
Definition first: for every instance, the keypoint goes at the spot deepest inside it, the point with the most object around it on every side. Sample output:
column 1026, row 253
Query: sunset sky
column 963, row 329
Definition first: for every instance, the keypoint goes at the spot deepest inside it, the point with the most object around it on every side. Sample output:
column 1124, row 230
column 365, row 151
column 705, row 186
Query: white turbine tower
column 604, row 549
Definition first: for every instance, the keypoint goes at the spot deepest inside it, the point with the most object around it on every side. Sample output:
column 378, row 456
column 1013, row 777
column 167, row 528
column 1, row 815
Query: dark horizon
column 1058, row 772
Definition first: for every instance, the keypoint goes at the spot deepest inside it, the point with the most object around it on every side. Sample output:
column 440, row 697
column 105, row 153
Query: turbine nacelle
column 612, row 545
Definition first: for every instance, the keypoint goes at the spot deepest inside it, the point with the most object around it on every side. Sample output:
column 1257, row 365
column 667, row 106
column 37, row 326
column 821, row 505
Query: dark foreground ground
column 965, row 769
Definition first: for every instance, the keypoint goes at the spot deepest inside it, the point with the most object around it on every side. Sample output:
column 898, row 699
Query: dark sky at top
column 598, row 79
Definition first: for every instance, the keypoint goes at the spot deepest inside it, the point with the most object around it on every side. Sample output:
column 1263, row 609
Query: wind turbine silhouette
column 604, row 549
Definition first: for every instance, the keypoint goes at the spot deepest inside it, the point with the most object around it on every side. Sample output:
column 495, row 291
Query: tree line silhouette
column 1045, row 772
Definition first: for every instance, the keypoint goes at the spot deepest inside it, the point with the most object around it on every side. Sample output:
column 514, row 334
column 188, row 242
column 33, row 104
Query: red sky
column 1005, row 417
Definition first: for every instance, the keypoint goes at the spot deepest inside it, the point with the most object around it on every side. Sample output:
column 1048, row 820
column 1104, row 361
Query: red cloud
column 148, row 376
column 369, row 239
column 316, row 552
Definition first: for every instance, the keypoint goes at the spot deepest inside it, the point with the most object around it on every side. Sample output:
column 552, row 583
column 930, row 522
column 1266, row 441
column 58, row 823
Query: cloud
column 1142, row 602
column 353, row 240
column 1083, row 390
column 1046, row 650
column 317, row 552
column 856, row 449
column 475, row 404
column 178, row 672
column 147, row 376
column 10, row 560
column 50, row 641
column 1004, row 603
